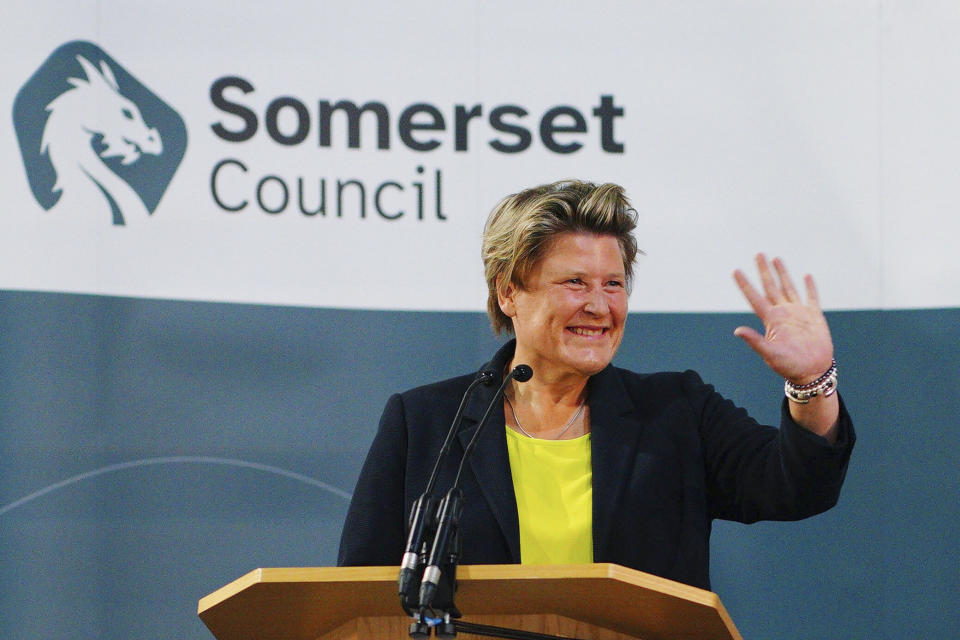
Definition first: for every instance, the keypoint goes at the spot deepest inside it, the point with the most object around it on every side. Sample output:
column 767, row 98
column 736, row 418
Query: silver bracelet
column 825, row 385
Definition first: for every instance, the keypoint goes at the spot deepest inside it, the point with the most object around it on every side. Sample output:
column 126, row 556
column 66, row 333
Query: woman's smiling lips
column 587, row 331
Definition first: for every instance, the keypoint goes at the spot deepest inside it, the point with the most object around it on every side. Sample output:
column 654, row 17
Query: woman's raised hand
column 796, row 342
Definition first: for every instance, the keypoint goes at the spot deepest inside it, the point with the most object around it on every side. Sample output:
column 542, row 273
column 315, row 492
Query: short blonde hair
column 521, row 227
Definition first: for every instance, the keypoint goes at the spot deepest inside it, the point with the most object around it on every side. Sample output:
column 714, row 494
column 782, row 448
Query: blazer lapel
column 490, row 464
column 489, row 461
column 613, row 430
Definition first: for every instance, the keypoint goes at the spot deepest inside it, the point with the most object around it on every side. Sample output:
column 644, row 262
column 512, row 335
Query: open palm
column 796, row 343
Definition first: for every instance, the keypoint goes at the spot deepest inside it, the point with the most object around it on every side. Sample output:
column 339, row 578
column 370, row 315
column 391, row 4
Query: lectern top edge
column 467, row 572
column 227, row 591
column 307, row 603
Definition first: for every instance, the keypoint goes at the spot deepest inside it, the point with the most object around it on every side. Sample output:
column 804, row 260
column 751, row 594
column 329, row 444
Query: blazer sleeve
column 756, row 472
column 373, row 533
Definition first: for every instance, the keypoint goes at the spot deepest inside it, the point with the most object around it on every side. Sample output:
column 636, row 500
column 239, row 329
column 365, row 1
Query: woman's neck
column 569, row 391
column 544, row 406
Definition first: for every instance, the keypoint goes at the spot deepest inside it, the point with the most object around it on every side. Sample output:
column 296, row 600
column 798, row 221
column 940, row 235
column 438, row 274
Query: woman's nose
column 596, row 303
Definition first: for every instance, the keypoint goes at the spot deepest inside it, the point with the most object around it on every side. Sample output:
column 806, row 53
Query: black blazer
column 669, row 454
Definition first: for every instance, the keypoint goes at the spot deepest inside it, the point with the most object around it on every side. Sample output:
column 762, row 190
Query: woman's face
column 569, row 317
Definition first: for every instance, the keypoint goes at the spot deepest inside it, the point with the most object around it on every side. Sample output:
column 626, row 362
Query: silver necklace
column 566, row 428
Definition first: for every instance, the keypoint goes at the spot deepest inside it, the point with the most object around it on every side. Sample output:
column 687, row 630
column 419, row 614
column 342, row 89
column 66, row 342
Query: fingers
column 786, row 283
column 757, row 302
column 813, row 296
column 781, row 288
column 774, row 293
column 778, row 287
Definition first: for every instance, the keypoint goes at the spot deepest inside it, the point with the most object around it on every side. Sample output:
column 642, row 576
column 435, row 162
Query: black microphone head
column 522, row 372
column 486, row 377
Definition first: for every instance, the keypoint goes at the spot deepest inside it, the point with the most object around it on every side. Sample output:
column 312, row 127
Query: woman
column 587, row 462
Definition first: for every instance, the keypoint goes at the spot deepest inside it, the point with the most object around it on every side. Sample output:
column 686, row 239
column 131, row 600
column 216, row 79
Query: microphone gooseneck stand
column 423, row 514
column 433, row 607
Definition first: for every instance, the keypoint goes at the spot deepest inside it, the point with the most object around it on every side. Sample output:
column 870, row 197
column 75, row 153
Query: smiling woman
column 558, row 262
column 587, row 462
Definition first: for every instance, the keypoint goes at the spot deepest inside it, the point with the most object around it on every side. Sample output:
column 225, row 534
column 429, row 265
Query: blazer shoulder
column 436, row 392
column 441, row 386
column 660, row 383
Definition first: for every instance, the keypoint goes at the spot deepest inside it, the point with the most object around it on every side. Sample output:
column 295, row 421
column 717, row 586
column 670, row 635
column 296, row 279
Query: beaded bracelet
column 825, row 385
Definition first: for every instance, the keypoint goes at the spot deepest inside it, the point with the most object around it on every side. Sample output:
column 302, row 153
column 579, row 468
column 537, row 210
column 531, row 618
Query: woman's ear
column 505, row 298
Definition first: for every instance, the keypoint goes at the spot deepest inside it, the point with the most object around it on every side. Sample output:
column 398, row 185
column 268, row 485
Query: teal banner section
column 153, row 451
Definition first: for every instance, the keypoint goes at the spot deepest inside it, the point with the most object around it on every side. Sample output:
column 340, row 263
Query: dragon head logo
column 95, row 141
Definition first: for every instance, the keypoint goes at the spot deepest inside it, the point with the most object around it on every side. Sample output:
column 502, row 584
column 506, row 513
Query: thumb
column 753, row 339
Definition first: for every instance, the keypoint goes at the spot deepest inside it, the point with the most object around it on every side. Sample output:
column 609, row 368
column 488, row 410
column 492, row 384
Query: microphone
column 424, row 510
column 522, row 372
column 452, row 503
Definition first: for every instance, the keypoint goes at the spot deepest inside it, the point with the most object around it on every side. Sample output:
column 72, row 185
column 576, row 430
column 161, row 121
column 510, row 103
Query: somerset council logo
column 95, row 141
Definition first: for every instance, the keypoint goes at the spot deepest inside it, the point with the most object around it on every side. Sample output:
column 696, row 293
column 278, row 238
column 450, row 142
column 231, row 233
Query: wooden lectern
column 590, row 602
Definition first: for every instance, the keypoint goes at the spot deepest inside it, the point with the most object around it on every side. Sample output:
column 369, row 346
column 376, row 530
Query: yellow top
column 553, row 482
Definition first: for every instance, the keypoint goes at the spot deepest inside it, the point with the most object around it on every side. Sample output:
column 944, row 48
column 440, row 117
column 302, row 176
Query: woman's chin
column 591, row 363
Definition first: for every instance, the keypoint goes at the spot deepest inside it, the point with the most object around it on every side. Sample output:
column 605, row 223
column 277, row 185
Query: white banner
column 346, row 154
